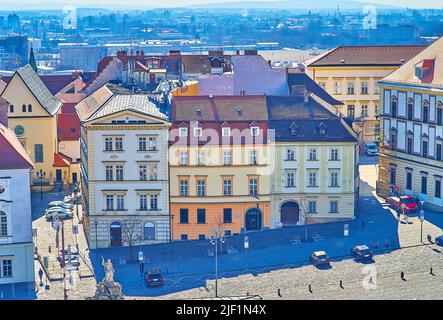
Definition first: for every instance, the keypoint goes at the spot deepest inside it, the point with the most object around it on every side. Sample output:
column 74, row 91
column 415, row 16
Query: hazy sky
column 410, row 3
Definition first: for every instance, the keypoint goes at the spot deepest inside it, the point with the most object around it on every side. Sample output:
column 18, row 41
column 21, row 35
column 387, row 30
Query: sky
column 438, row 4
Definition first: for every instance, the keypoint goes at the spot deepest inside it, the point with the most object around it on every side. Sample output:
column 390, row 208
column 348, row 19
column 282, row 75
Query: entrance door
column 253, row 219
column 74, row 177
column 290, row 213
column 58, row 175
column 116, row 234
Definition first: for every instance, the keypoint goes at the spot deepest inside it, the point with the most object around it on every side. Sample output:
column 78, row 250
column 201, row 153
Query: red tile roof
column 61, row 160
column 12, row 153
column 367, row 56
column 68, row 127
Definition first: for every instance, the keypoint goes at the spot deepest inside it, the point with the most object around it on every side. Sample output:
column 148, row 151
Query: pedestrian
column 142, row 268
column 40, row 275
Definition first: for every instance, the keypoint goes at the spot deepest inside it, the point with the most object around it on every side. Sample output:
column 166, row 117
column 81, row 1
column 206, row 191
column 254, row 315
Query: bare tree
column 132, row 233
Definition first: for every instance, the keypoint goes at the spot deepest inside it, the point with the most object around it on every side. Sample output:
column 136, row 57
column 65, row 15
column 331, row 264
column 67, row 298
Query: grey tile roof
column 39, row 89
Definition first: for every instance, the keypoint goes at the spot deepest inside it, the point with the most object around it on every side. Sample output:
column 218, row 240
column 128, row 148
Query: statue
column 109, row 271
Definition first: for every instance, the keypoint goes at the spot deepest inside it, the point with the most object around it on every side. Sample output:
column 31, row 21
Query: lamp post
column 96, row 245
column 41, row 175
column 62, row 261
column 76, row 190
column 422, row 217
column 215, row 239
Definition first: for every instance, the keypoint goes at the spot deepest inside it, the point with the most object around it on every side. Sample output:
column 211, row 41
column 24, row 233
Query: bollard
column 49, row 249
column 341, row 284
column 310, row 288
column 402, row 276
column 431, row 272
column 279, row 293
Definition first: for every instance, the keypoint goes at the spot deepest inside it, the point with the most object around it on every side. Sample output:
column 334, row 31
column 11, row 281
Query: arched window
column 3, row 224
column 394, row 104
column 393, row 138
column 410, row 110
column 440, row 113
column 11, row 108
column 29, row 108
column 425, row 111
column 149, row 231
column 24, row 108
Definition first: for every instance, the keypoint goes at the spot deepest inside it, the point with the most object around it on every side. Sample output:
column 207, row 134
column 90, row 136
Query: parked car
column 60, row 204
column 320, row 258
column 371, row 149
column 154, row 279
column 439, row 240
column 59, row 212
column 362, row 252
column 403, row 203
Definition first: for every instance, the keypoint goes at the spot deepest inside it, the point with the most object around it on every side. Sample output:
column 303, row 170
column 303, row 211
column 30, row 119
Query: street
column 272, row 262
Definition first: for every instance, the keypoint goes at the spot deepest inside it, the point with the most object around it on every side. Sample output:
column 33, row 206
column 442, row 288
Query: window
column 183, row 132
column 293, row 130
column 290, row 155
column 152, row 144
column 109, row 173
column 149, row 231
column 119, row 144
column 438, row 152
column 226, row 132
column 11, row 108
column 437, row 193
column 227, row 187
column 201, row 237
column 29, row 108
column 19, row 131
column 120, row 202
column 351, row 88
column 364, row 111
column 394, row 104
column 312, row 182
column 440, row 114
column 312, row 154
column 394, row 139
column 227, row 215
column 154, row 201
column 424, row 185
column 393, row 175
column 227, row 158
column 255, row 131
column 201, row 216
column 142, row 144
column 201, row 187
column 351, row 111
column 143, row 202
column 184, row 237
column 201, row 158
column 184, row 158
column 364, row 87
column 333, row 206
column 38, row 153
column 119, row 173
column 24, row 108
column 6, row 268
column 153, row 172
column 198, row 132
column 143, row 173
column 253, row 157
column 377, row 130
column 409, row 145
column 312, row 206
column 228, row 233
column 184, row 216
column 334, row 154
column 424, row 150
column 425, row 111
column 337, row 87
column 410, row 110
column 376, row 89
column 184, row 188
column 334, row 179
column 110, row 202
column 3, row 224
column 290, row 179
column 108, row 144
column 409, row 180
column 253, row 186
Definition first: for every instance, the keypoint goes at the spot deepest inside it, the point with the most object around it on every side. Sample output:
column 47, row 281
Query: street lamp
column 41, row 175
column 96, row 239
column 422, row 217
column 215, row 239
column 76, row 191
column 60, row 221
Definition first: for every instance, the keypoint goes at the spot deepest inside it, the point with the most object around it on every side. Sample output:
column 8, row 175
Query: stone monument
column 108, row 289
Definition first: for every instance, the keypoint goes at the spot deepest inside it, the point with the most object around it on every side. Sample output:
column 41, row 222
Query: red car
column 404, row 204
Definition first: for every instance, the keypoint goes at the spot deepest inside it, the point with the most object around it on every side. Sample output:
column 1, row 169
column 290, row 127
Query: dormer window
column 199, row 112
column 239, row 112
column 423, row 68
column 226, row 132
column 322, row 129
column 255, row 131
column 183, row 132
column 293, row 130
column 198, row 132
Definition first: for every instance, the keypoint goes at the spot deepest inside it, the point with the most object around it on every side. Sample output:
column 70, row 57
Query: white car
column 60, row 204
column 371, row 149
column 58, row 212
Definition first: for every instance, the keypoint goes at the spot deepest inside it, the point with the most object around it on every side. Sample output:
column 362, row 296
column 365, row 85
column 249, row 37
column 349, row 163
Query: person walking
column 40, row 275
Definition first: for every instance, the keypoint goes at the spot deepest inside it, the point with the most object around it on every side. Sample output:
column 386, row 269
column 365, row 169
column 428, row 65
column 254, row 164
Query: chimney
column 251, row 52
column 4, row 105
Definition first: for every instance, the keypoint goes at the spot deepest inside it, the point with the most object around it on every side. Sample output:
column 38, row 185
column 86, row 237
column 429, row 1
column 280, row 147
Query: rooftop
column 12, row 153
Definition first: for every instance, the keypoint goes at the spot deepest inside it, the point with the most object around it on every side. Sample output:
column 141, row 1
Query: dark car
column 154, row 279
column 319, row 258
column 362, row 252
column 439, row 240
